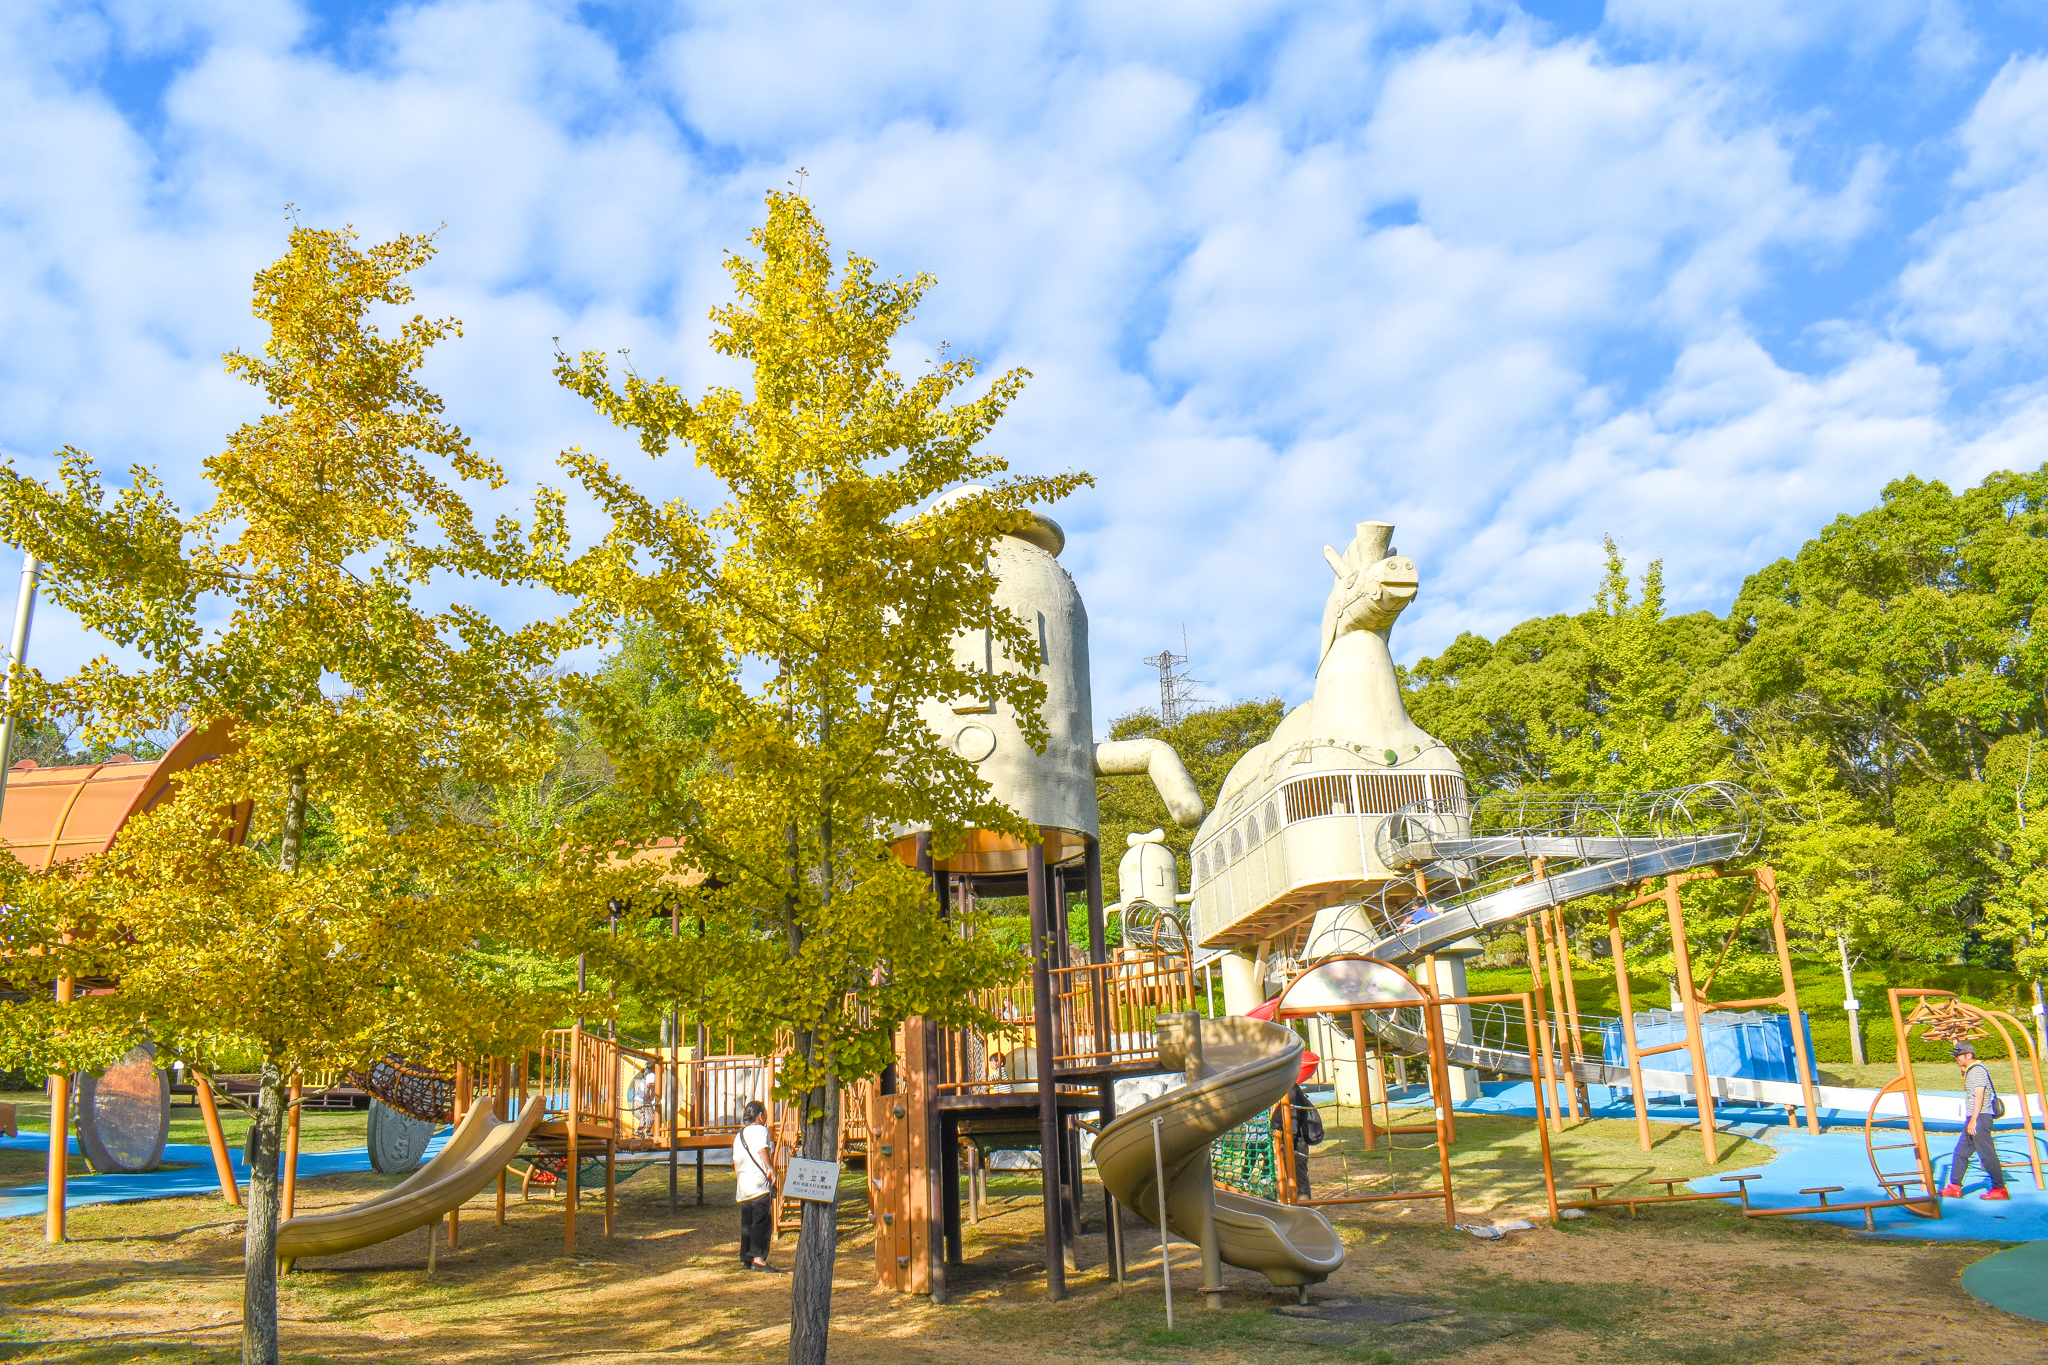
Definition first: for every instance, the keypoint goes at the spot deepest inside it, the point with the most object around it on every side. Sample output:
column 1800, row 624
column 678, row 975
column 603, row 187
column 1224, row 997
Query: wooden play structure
column 1077, row 1023
column 60, row 814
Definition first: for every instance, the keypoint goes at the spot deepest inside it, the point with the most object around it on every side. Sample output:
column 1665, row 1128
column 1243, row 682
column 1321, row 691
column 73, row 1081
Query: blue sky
column 1699, row 274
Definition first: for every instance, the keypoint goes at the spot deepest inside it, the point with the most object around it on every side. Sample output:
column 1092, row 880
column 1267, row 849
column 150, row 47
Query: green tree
column 812, row 612
column 286, row 608
column 1607, row 700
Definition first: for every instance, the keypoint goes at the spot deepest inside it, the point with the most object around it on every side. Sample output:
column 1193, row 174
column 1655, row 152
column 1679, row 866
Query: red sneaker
column 1951, row 1191
column 1995, row 1192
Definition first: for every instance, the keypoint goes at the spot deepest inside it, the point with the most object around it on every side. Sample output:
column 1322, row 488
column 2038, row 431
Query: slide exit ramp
column 481, row 1146
column 1236, row 1068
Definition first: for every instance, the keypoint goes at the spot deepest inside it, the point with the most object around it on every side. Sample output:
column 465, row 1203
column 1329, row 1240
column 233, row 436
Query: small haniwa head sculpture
column 1374, row 584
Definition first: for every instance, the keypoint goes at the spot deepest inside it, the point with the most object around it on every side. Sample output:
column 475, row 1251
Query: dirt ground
column 1692, row 1283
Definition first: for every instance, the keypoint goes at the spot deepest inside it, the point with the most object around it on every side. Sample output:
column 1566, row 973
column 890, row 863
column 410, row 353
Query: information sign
column 809, row 1179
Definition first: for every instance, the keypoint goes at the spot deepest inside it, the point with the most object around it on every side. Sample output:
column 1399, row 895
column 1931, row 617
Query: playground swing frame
column 1443, row 1127
column 1695, row 1004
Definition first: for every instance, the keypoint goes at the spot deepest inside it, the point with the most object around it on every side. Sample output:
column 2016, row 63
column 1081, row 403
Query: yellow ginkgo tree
column 814, row 610
column 345, row 927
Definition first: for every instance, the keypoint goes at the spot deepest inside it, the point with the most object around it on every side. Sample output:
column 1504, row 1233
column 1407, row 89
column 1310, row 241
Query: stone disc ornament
column 124, row 1115
column 397, row 1141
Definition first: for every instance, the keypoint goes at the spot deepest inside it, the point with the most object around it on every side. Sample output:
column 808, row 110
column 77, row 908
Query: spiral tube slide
column 1236, row 1068
column 481, row 1146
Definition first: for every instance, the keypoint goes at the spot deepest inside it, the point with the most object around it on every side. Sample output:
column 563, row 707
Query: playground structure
column 63, row 813
column 1345, row 863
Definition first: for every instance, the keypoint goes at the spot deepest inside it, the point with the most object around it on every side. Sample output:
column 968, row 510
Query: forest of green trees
column 1882, row 693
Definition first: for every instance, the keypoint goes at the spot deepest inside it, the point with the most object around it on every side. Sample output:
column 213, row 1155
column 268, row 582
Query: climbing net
column 425, row 1095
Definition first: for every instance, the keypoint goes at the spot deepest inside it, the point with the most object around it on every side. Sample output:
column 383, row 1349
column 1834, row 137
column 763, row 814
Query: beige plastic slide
column 1236, row 1068
column 481, row 1146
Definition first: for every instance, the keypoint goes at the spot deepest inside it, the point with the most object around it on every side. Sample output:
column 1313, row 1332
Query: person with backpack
column 756, row 1186
column 1980, row 1106
column 1308, row 1126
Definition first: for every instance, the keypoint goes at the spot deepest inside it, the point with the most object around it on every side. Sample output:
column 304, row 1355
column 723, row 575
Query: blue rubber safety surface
column 1840, row 1157
column 199, row 1177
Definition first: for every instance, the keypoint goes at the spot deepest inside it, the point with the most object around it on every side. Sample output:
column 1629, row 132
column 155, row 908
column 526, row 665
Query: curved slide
column 481, row 1146
column 1236, row 1068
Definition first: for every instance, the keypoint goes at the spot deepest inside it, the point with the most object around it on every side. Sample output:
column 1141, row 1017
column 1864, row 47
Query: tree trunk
column 810, row 1301
column 1849, row 994
column 259, row 1244
column 259, row 1241
column 291, row 841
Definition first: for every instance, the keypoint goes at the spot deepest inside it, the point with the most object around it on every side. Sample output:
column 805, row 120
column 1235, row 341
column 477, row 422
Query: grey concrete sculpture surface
column 1053, row 787
column 1294, row 823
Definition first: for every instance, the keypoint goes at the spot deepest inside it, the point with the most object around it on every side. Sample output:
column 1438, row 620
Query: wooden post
column 1628, row 1031
column 464, row 1096
column 948, row 1164
column 575, row 1113
column 1571, row 998
column 1695, row 1038
column 1446, row 1134
column 291, row 1143
column 1290, row 1193
column 1546, row 1066
column 59, row 1168
column 1542, row 1131
column 1564, row 1050
column 1767, row 879
column 1105, row 1044
column 223, row 1164
column 672, row 1094
column 1364, row 1080
column 611, row 1170
column 1044, row 1025
column 501, row 1105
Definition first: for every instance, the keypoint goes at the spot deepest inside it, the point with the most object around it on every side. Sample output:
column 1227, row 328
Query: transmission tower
column 1176, row 685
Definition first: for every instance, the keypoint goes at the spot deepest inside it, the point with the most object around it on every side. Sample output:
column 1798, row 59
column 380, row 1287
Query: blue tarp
column 1755, row 1046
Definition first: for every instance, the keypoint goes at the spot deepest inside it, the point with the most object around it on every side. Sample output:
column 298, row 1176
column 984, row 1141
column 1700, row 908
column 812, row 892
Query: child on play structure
column 756, row 1192
column 1980, row 1106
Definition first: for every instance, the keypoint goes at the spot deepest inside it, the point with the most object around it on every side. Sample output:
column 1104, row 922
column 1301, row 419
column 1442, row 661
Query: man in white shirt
column 751, row 1164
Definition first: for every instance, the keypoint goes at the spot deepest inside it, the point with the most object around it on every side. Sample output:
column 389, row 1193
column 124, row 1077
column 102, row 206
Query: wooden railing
column 714, row 1091
column 1109, row 1015
column 578, row 1074
column 1103, row 1017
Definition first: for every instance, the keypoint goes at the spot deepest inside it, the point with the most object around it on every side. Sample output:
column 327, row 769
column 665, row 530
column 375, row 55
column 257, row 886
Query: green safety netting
column 1242, row 1159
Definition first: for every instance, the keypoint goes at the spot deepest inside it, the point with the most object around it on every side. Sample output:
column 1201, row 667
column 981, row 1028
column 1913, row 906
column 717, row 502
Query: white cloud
column 1981, row 285
column 1276, row 269
column 1751, row 29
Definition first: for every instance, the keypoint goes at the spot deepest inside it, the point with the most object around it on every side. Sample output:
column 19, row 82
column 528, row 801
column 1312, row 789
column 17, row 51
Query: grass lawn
column 1692, row 1283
